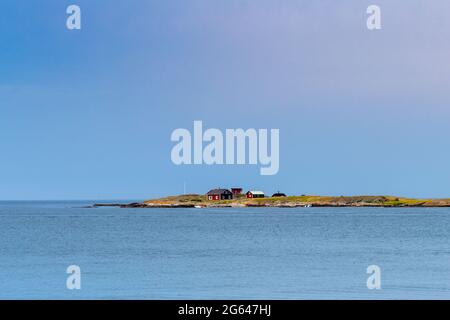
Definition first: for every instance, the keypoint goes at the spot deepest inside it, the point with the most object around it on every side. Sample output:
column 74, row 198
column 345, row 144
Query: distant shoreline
column 200, row 201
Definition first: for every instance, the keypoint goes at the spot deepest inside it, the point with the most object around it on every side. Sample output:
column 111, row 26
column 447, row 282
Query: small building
column 254, row 194
column 219, row 194
column 236, row 191
column 278, row 194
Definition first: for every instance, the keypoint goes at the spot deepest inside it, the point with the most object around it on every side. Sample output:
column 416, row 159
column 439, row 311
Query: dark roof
column 218, row 191
column 278, row 194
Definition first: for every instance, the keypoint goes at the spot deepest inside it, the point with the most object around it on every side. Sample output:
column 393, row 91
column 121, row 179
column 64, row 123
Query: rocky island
column 201, row 201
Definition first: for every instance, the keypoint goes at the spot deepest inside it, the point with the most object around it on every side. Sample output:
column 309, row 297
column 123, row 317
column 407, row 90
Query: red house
column 236, row 191
column 219, row 194
column 254, row 194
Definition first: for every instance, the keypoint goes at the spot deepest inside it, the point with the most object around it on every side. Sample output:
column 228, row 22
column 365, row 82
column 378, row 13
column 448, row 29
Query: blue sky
column 88, row 114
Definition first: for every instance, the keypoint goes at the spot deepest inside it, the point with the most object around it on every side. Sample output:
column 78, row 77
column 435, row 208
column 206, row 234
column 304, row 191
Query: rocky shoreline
column 281, row 204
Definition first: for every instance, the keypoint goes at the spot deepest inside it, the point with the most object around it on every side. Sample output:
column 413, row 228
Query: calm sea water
column 302, row 253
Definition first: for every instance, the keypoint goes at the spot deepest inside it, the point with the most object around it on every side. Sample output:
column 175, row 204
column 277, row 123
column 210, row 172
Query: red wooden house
column 254, row 194
column 219, row 194
column 236, row 191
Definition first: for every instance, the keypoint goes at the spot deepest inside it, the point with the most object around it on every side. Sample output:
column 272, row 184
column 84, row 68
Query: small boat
column 198, row 207
column 308, row 205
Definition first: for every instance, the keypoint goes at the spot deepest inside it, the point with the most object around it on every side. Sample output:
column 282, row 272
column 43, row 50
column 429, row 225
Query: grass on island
column 384, row 201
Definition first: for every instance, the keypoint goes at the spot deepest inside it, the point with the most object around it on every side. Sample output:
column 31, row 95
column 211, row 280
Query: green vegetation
column 303, row 200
